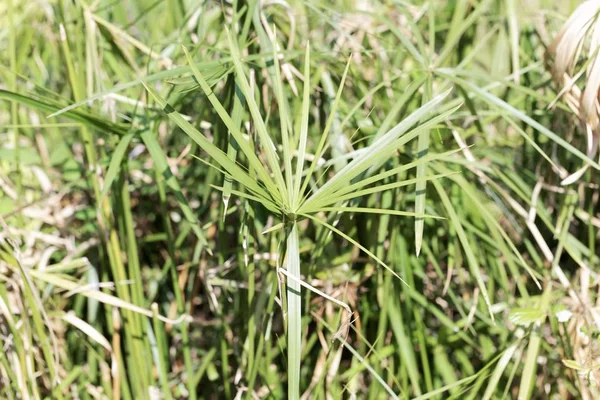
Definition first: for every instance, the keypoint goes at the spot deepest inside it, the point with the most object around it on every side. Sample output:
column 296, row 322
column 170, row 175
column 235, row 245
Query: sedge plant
column 290, row 188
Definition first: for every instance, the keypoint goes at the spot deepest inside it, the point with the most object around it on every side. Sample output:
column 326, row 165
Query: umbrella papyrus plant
column 288, row 186
column 576, row 70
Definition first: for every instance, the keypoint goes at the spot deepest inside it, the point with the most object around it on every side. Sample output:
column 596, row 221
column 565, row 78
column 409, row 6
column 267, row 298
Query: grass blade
column 377, row 151
column 318, row 152
column 421, row 187
column 354, row 242
column 233, row 128
column 219, row 156
column 466, row 244
column 261, row 129
column 160, row 159
column 512, row 111
column 303, row 130
column 115, row 163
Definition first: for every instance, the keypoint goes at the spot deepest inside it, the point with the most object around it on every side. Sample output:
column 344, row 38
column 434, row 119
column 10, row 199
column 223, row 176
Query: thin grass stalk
column 171, row 240
column 133, row 265
column 383, row 280
column 91, row 314
column 30, row 360
column 419, row 328
column 7, row 375
column 116, row 346
column 232, row 146
column 127, row 226
column 159, row 332
column 225, row 363
column 131, row 322
column 286, row 140
column 113, row 246
column 18, row 352
column 13, row 87
column 249, row 244
column 294, row 313
column 421, row 186
column 40, row 324
column 265, row 327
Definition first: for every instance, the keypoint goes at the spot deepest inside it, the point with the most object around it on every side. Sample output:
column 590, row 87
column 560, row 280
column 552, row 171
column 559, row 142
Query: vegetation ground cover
column 301, row 199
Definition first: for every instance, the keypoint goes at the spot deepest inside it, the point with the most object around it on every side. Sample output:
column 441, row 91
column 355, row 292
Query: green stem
column 294, row 303
column 14, row 115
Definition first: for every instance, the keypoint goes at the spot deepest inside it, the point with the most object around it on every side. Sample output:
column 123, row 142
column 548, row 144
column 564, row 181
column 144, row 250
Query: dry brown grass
column 576, row 70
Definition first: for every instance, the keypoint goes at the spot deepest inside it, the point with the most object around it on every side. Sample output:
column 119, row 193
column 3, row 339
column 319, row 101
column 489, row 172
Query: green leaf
column 219, row 156
column 525, row 316
column 259, row 124
column 303, row 140
column 520, row 115
column 319, row 151
column 115, row 164
column 354, row 242
column 574, row 365
column 529, row 375
column 421, row 186
column 85, row 118
column 466, row 244
column 375, row 189
column 492, row 385
column 214, row 151
column 206, row 66
column 381, row 149
column 379, row 211
column 160, row 160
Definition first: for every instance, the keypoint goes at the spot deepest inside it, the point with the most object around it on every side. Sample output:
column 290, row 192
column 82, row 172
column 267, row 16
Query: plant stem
column 294, row 313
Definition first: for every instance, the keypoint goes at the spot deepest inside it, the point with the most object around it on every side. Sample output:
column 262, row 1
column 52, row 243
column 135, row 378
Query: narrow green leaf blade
column 466, row 244
column 303, row 129
column 261, row 129
column 354, row 242
column 160, row 159
column 379, row 149
column 520, row 115
column 230, row 124
column 115, row 163
column 219, row 156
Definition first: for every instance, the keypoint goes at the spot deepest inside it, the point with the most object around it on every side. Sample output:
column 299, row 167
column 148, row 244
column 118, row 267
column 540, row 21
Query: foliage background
column 114, row 226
